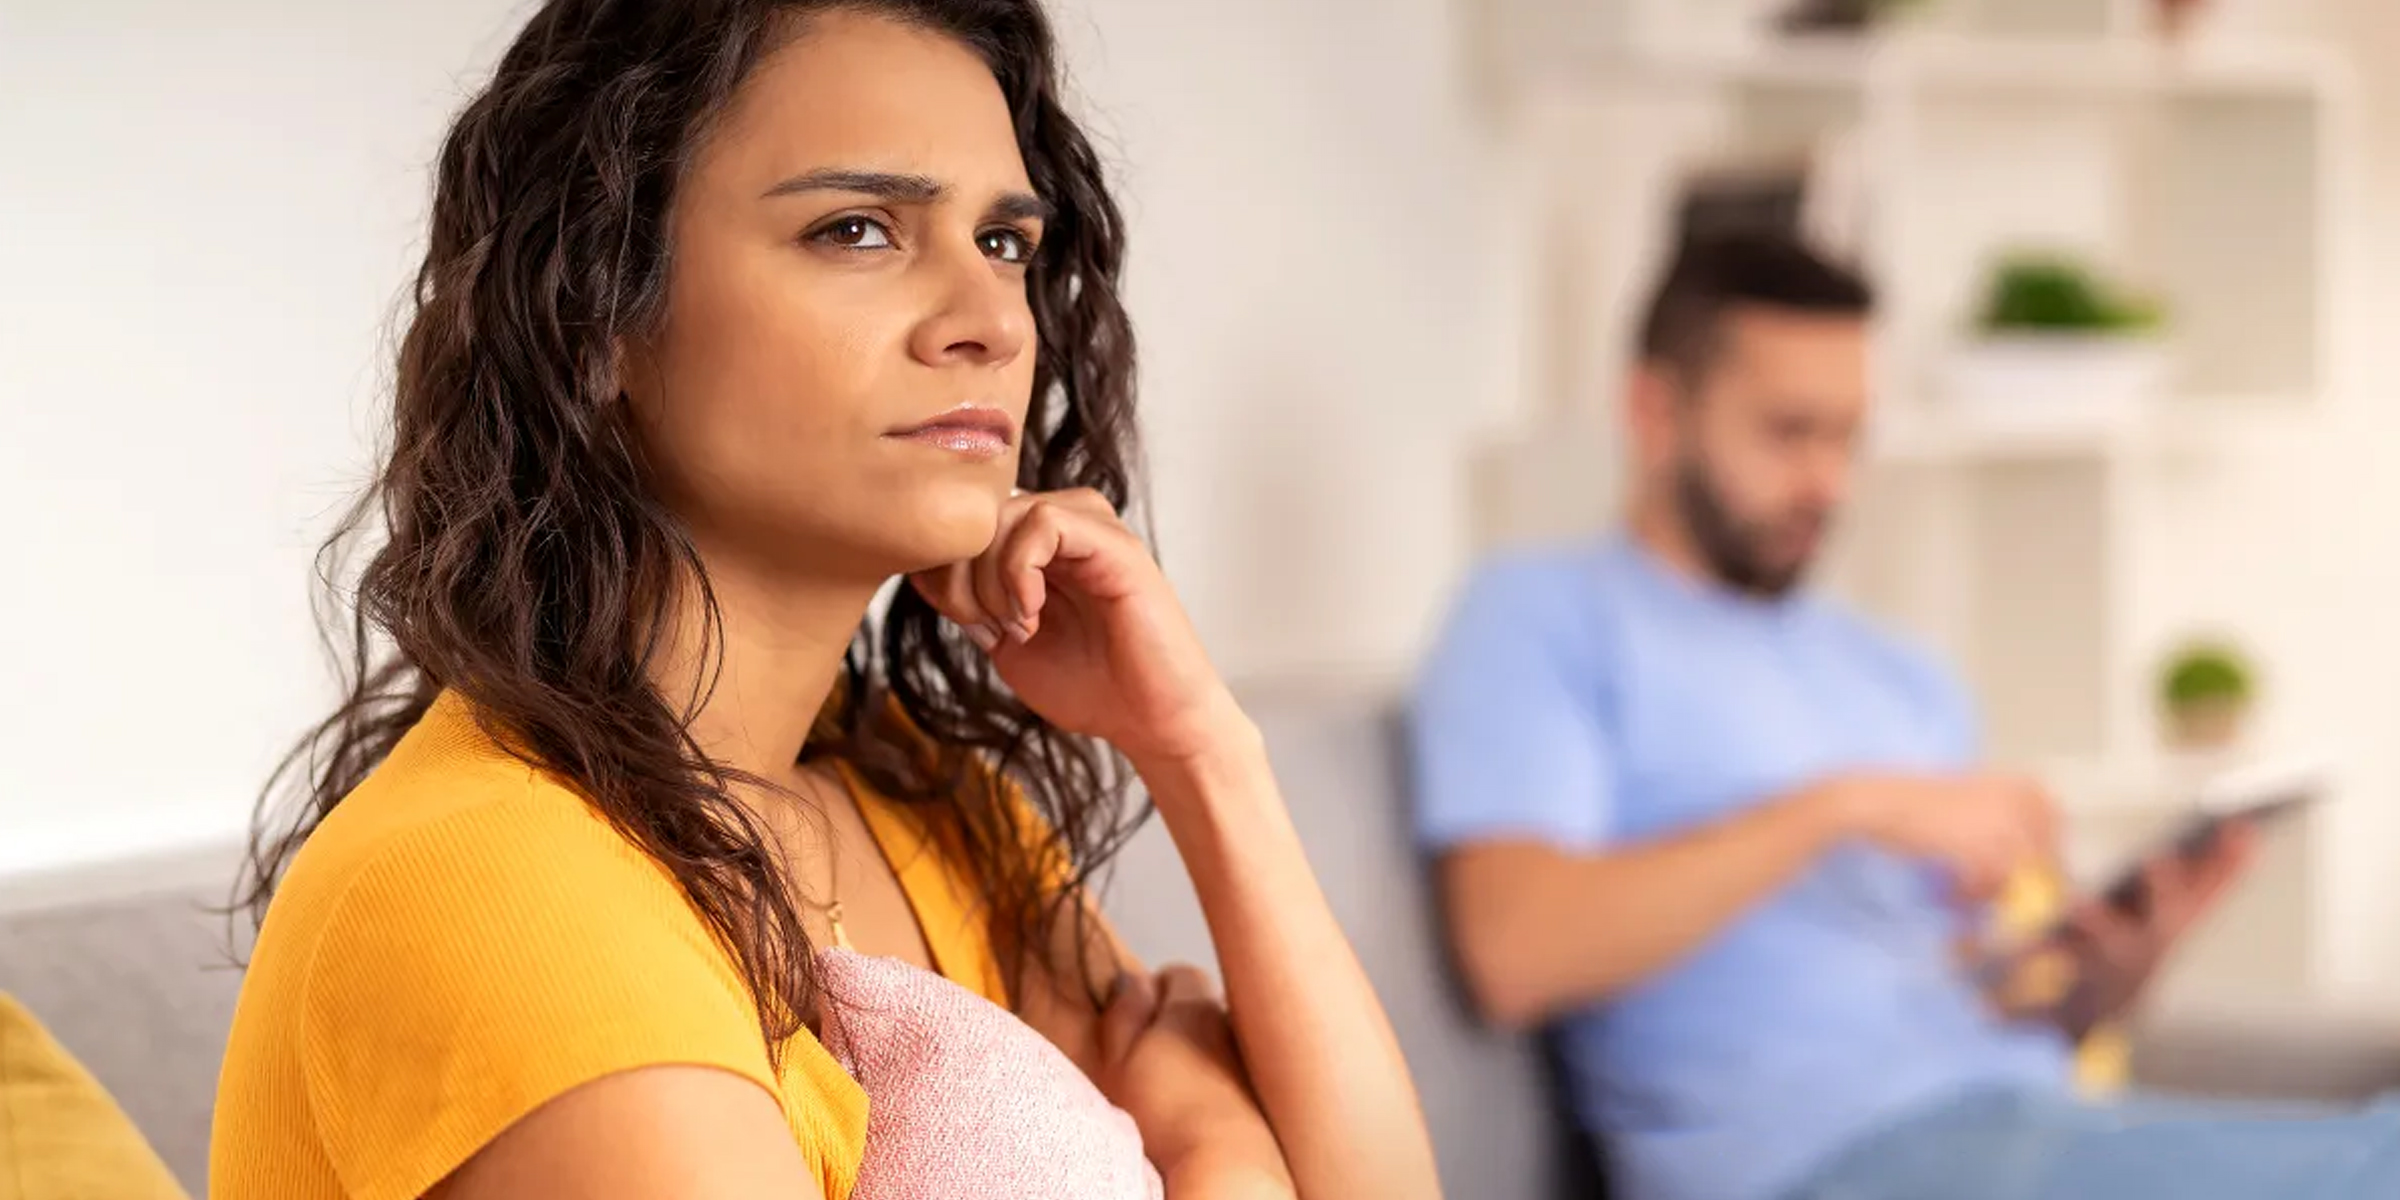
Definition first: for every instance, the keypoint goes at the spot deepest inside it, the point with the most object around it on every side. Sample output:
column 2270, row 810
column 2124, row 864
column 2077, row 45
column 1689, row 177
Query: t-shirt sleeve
column 1506, row 728
column 489, row 963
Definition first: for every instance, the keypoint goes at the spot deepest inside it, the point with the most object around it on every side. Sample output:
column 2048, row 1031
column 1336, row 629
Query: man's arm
column 1538, row 930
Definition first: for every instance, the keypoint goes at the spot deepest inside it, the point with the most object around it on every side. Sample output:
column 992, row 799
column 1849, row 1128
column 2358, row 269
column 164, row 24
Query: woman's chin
column 948, row 526
column 902, row 531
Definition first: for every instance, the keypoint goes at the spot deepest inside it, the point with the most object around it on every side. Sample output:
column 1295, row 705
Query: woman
column 733, row 312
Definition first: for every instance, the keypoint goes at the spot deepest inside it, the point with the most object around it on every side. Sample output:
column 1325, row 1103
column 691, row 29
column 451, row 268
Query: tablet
column 2255, row 796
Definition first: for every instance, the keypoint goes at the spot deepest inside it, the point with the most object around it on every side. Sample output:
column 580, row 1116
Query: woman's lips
column 970, row 431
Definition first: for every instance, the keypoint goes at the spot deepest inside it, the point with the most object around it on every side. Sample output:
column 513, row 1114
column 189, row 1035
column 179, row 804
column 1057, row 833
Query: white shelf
column 1922, row 435
column 2122, row 65
column 1830, row 64
column 1936, row 64
column 1936, row 440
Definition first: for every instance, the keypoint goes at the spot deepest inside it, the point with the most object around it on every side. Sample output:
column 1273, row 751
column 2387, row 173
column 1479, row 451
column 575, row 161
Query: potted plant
column 2054, row 344
column 2206, row 691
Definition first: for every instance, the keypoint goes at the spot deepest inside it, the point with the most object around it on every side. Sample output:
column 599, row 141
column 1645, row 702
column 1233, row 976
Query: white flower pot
column 2028, row 382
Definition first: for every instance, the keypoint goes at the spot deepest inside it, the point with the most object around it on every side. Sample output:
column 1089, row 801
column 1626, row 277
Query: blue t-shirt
column 1594, row 697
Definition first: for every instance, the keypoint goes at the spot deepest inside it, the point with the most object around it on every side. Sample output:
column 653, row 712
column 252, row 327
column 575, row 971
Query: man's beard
column 1732, row 547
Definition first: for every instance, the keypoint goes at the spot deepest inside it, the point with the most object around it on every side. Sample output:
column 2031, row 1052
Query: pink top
column 965, row 1101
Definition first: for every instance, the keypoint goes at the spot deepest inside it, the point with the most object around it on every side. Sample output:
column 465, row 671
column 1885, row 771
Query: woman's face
column 841, row 380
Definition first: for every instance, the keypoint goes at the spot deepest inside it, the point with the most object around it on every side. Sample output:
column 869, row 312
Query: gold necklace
column 833, row 883
column 841, row 936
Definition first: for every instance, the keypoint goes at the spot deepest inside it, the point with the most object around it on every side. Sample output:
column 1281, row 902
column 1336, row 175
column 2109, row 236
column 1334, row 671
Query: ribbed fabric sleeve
column 495, row 961
column 463, row 941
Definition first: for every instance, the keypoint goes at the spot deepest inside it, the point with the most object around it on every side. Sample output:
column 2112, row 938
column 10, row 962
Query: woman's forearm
column 1204, row 1176
column 1320, row 1051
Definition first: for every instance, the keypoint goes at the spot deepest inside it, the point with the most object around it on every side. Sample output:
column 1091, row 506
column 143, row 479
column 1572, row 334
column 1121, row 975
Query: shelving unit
column 1941, row 63
column 2209, row 171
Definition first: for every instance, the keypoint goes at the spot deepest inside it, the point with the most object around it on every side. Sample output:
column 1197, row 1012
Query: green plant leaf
column 2204, row 673
column 2054, row 294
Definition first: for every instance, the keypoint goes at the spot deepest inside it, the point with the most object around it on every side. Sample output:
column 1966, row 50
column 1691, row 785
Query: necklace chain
column 833, row 873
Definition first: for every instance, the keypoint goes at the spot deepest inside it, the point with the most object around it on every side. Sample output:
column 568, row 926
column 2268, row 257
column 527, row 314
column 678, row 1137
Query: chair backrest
column 1340, row 759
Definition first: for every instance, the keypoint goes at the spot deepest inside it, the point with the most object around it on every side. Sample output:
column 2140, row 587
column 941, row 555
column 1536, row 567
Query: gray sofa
column 128, row 967
column 130, row 970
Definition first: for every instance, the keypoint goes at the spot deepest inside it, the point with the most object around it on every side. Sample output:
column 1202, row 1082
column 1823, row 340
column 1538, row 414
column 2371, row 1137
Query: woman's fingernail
column 983, row 637
column 1024, row 630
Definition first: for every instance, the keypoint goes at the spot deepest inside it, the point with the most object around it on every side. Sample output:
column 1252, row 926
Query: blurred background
column 2139, row 370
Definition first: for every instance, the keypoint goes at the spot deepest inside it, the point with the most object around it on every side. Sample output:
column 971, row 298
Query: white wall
column 207, row 212
column 1323, row 278
column 2336, row 499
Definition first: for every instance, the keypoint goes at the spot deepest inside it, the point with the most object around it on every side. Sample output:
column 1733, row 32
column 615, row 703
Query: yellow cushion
column 61, row 1137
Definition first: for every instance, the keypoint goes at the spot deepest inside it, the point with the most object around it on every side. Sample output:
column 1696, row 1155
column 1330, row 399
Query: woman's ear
column 634, row 391
column 629, row 366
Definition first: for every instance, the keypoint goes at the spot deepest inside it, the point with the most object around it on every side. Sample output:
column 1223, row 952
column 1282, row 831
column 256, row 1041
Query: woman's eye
column 855, row 233
column 1006, row 245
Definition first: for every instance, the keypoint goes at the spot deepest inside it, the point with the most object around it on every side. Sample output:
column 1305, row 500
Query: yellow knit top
column 464, row 940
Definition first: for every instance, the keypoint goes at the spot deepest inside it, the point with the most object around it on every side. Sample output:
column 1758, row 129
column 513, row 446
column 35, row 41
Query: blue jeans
column 2005, row 1145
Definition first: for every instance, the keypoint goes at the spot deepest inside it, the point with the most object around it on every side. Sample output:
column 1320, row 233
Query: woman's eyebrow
column 896, row 187
column 1022, row 206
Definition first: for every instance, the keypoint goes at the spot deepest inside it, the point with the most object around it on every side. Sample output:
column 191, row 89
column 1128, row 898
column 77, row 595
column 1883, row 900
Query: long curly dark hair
column 515, row 554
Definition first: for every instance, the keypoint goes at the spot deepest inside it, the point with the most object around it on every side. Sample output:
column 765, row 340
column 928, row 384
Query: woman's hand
column 1167, row 1057
column 1084, row 628
column 1081, row 624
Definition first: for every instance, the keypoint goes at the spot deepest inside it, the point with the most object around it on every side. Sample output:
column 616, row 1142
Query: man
column 1727, row 837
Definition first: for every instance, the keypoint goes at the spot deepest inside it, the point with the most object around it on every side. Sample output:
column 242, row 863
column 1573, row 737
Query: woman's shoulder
column 457, row 871
column 450, row 816
column 464, row 938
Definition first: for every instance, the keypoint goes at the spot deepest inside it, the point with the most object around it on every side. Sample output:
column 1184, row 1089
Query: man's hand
column 1982, row 828
column 2117, row 950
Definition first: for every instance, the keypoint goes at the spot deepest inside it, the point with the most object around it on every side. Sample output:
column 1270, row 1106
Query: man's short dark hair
column 1715, row 275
